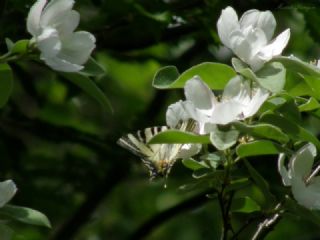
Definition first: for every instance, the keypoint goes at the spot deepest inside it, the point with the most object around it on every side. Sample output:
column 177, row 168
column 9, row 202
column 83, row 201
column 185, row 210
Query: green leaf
column 262, row 130
column 314, row 83
column 244, row 205
column 89, row 87
column 193, row 164
column 92, row 68
column 309, row 105
column 20, row 47
column 223, row 139
column 261, row 183
column 259, row 147
column 26, row 215
column 272, row 76
column 293, row 130
column 296, row 65
column 213, row 159
column 176, row 136
column 216, row 75
column 9, row 44
column 6, row 83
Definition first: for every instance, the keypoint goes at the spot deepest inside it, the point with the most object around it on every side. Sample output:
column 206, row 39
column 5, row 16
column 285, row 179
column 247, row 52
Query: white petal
column 78, row 47
column 240, row 46
column 199, row 93
column 7, row 190
column 188, row 150
column 276, row 47
column 233, row 89
column 62, row 65
column 49, row 42
column 302, row 161
column 69, row 24
column 259, row 97
column 55, row 12
column 33, row 20
column 286, row 178
column 263, row 20
column 177, row 112
column 227, row 23
column 256, row 39
column 227, row 112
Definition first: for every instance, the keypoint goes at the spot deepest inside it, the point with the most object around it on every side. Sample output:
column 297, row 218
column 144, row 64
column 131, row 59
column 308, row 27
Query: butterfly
column 158, row 158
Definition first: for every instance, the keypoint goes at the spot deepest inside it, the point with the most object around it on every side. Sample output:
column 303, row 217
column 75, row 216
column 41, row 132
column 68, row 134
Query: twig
column 267, row 225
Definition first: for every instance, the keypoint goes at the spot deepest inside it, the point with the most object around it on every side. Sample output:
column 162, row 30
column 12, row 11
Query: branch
column 268, row 224
column 146, row 228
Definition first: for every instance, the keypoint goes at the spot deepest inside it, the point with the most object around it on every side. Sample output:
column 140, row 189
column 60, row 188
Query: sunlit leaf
column 259, row 147
column 223, row 139
column 193, row 164
column 216, row 75
column 26, row 215
column 176, row 136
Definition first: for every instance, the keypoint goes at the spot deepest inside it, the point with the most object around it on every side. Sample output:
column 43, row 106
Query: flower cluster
column 52, row 26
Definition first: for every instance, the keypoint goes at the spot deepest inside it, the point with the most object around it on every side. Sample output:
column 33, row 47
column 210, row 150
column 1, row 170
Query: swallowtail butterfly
column 158, row 158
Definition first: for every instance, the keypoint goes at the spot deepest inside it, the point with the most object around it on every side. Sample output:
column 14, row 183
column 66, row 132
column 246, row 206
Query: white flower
column 238, row 102
column 52, row 26
column 178, row 118
column 250, row 38
column 304, row 185
column 7, row 190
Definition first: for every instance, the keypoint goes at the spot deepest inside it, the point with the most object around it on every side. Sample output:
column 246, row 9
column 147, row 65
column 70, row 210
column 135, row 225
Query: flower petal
column 55, row 12
column 276, row 47
column 301, row 162
column 61, row 65
column 256, row 38
column 70, row 23
column 257, row 19
column 233, row 89
column 199, row 93
column 7, row 190
column 285, row 174
column 189, row 150
column 260, row 95
column 240, row 46
column 49, row 42
column 177, row 112
column 33, row 19
column 227, row 23
column 78, row 47
column 227, row 112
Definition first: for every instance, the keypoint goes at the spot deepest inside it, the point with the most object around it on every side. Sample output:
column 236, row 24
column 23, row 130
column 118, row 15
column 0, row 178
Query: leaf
column 259, row 147
column 314, row 83
column 213, row 159
column 223, row 140
column 244, row 205
column 89, row 87
column 176, row 136
column 9, row 44
column 272, row 76
column 310, row 105
column 20, row 47
column 216, row 75
column 296, row 65
column 165, row 76
column 261, row 183
column 293, row 130
column 193, row 164
column 6, row 83
column 262, row 130
column 26, row 215
column 92, row 68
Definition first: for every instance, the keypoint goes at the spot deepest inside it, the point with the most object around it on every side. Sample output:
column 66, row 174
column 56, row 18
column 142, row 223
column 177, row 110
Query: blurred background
column 59, row 145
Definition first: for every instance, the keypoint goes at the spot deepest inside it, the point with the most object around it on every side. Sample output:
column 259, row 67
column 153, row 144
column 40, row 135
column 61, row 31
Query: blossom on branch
column 52, row 26
column 304, row 185
column 239, row 101
column 250, row 37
